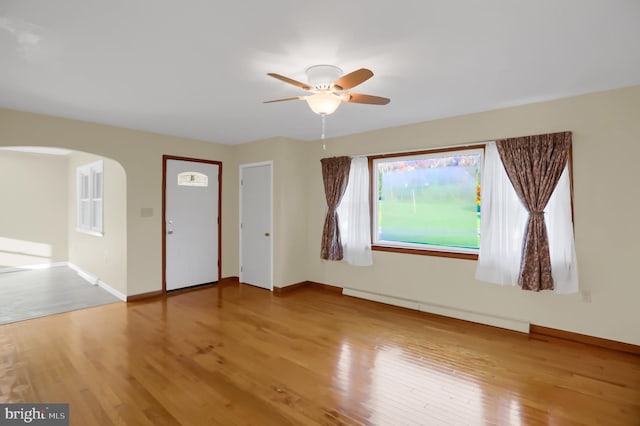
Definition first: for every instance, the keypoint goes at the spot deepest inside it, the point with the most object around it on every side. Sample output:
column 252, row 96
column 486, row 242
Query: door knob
column 266, row 234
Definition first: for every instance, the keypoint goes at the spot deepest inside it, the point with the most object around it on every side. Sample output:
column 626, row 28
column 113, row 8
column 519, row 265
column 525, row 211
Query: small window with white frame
column 89, row 198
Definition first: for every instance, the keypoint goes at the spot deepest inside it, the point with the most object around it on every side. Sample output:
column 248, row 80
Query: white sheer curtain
column 354, row 215
column 564, row 264
column 502, row 226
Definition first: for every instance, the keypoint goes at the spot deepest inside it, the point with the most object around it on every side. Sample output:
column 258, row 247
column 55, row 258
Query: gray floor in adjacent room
column 37, row 293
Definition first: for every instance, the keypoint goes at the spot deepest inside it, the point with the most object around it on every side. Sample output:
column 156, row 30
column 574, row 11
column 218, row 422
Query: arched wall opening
column 39, row 215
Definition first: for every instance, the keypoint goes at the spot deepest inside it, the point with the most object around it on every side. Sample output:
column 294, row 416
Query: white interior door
column 256, row 239
column 191, row 219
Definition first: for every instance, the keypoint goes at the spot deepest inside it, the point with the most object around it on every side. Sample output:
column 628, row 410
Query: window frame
column 430, row 250
column 93, row 198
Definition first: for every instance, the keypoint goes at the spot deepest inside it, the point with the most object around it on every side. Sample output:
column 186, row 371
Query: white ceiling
column 197, row 68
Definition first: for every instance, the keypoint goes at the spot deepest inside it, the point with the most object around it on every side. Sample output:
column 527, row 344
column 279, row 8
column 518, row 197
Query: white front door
column 256, row 260
column 191, row 223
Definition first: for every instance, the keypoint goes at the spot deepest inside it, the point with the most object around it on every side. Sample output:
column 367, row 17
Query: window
column 193, row 179
column 90, row 186
column 428, row 202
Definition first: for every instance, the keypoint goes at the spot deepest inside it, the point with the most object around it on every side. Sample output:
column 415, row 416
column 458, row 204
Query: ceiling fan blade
column 367, row 99
column 352, row 79
column 285, row 99
column 290, row 81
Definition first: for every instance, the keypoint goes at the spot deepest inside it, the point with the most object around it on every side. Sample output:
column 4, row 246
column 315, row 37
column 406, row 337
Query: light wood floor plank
column 238, row 355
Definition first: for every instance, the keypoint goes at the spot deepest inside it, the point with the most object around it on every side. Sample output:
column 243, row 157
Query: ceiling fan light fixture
column 329, row 88
column 321, row 77
column 323, row 103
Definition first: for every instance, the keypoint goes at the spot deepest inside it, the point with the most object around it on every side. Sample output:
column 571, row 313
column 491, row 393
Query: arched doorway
column 39, row 223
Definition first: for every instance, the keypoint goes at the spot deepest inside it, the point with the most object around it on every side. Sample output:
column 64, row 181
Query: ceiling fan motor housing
column 321, row 77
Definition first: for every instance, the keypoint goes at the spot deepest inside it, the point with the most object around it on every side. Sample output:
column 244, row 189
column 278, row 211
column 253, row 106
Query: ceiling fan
column 329, row 88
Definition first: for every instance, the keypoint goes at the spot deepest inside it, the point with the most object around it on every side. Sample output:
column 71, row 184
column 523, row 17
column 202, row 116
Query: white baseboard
column 32, row 267
column 93, row 280
column 477, row 317
column 112, row 290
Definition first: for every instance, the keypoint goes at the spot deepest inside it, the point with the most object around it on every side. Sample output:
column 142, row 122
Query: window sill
column 437, row 253
column 94, row 233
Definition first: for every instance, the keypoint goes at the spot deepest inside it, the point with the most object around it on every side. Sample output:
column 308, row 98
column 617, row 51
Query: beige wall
column 102, row 256
column 290, row 218
column 606, row 136
column 33, row 209
column 140, row 154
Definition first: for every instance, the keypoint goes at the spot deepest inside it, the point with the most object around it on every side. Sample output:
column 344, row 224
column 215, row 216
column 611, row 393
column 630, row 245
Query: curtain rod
column 453, row 145
column 425, row 148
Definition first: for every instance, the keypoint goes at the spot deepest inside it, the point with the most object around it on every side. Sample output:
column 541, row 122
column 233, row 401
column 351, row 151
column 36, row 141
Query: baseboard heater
column 447, row 311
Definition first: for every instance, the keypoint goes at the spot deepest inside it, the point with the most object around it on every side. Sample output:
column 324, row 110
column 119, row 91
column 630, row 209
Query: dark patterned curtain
column 335, row 176
column 534, row 165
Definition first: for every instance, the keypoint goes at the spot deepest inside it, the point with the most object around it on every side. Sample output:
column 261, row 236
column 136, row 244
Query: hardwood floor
column 240, row 355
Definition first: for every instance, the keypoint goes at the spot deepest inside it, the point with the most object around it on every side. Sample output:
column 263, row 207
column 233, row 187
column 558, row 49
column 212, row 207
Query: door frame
column 240, row 169
column 165, row 158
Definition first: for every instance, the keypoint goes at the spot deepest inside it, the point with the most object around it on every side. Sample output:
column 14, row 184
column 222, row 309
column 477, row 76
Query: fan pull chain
column 324, row 145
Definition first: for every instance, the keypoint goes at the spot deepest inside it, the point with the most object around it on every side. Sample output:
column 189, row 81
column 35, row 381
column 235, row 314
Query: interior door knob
column 266, row 234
